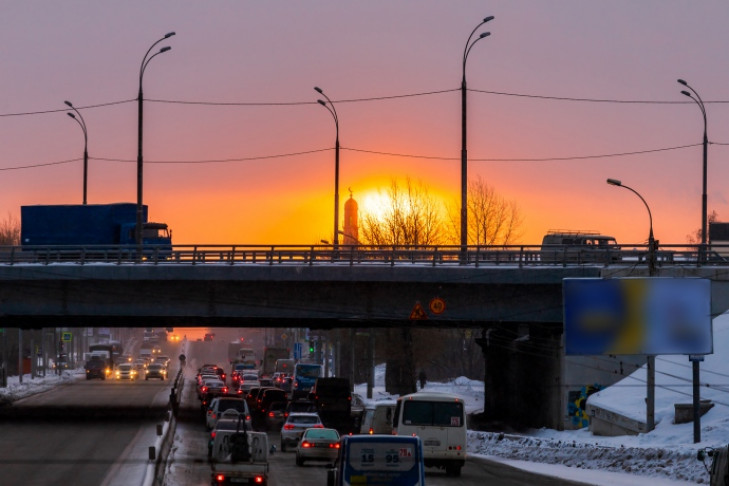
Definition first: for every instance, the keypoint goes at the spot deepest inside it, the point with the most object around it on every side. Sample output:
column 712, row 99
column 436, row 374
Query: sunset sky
column 246, row 70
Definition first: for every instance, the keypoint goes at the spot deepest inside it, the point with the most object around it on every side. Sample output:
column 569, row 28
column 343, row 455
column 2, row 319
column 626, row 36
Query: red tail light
column 220, row 478
column 204, row 389
column 289, row 426
column 258, row 480
column 305, row 445
column 334, row 446
column 270, row 414
column 318, row 426
column 212, row 434
column 225, row 389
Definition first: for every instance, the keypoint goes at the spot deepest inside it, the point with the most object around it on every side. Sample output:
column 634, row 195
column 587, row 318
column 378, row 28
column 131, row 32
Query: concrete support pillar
column 522, row 375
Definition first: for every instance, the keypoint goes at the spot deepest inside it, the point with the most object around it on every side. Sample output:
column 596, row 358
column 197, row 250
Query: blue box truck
column 91, row 228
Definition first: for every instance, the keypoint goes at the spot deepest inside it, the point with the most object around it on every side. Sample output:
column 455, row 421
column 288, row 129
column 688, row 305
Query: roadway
column 58, row 437
column 48, row 439
column 188, row 463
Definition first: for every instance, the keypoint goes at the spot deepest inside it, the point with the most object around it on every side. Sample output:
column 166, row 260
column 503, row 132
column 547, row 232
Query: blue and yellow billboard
column 637, row 316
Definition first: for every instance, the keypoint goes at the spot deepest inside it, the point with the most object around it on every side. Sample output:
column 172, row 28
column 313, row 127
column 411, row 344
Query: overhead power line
column 538, row 159
column 373, row 98
column 215, row 161
column 86, row 107
column 42, row 164
column 298, row 103
column 365, row 151
column 593, row 100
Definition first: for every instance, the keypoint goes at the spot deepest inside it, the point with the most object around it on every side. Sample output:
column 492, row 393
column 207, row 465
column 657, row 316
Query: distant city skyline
column 562, row 96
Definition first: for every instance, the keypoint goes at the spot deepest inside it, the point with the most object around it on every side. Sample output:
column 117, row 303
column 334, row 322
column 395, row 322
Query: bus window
column 441, row 414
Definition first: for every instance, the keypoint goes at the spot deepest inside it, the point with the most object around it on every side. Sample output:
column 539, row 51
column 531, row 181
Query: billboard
column 637, row 316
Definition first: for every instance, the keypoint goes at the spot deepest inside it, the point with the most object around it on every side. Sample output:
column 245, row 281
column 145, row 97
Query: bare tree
column 492, row 220
column 695, row 237
column 413, row 217
column 10, row 230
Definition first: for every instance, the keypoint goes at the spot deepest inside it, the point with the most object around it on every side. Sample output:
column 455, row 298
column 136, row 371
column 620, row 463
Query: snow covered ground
column 30, row 386
column 664, row 456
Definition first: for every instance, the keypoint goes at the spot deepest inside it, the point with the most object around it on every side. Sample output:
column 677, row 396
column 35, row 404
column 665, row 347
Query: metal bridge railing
column 503, row 255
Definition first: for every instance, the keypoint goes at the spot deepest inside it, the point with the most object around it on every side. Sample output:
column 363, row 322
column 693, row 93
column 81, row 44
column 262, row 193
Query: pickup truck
column 239, row 457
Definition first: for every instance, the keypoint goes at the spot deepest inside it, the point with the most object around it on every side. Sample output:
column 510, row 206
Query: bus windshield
column 311, row 371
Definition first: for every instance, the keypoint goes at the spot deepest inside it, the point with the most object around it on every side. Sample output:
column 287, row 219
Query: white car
column 294, row 427
column 125, row 371
column 318, row 445
column 248, row 381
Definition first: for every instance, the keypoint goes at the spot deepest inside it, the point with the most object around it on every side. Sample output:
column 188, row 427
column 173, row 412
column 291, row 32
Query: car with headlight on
column 125, row 371
column 156, row 370
column 294, row 427
column 318, row 445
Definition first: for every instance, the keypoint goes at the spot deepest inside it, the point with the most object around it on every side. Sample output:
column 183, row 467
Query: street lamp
column 700, row 103
column 140, row 162
column 651, row 240
column 330, row 107
column 650, row 401
column 80, row 120
column 464, row 157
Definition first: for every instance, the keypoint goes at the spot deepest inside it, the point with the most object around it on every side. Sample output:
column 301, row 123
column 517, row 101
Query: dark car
column 266, row 398
column 276, row 416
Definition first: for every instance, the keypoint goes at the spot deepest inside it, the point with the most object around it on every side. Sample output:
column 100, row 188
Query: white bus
column 439, row 420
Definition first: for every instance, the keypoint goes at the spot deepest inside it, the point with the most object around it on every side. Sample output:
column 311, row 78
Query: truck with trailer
column 91, row 230
column 270, row 356
column 239, row 456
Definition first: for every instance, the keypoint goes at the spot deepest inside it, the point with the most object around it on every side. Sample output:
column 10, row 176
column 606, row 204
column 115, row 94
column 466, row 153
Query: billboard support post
column 695, row 367
column 650, row 401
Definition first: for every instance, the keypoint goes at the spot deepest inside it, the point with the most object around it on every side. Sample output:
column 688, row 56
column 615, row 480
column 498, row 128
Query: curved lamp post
column 464, row 157
column 650, row 402
column 330, row 107
column 140, row 120
column 80, row 120
column 651, row 240
column 700, row 103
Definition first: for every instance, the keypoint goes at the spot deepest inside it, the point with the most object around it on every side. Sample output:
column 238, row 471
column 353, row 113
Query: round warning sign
column 437, row 305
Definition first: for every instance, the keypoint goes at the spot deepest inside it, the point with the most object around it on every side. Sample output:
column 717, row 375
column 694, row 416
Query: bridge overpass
column 514, row 297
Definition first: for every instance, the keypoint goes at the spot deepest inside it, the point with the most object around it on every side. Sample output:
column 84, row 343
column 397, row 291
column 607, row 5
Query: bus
column 378, row 460
column 305, row 375
column 439, row 419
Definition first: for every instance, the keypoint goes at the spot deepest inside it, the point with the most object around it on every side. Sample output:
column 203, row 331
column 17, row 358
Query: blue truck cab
column 89, row 225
